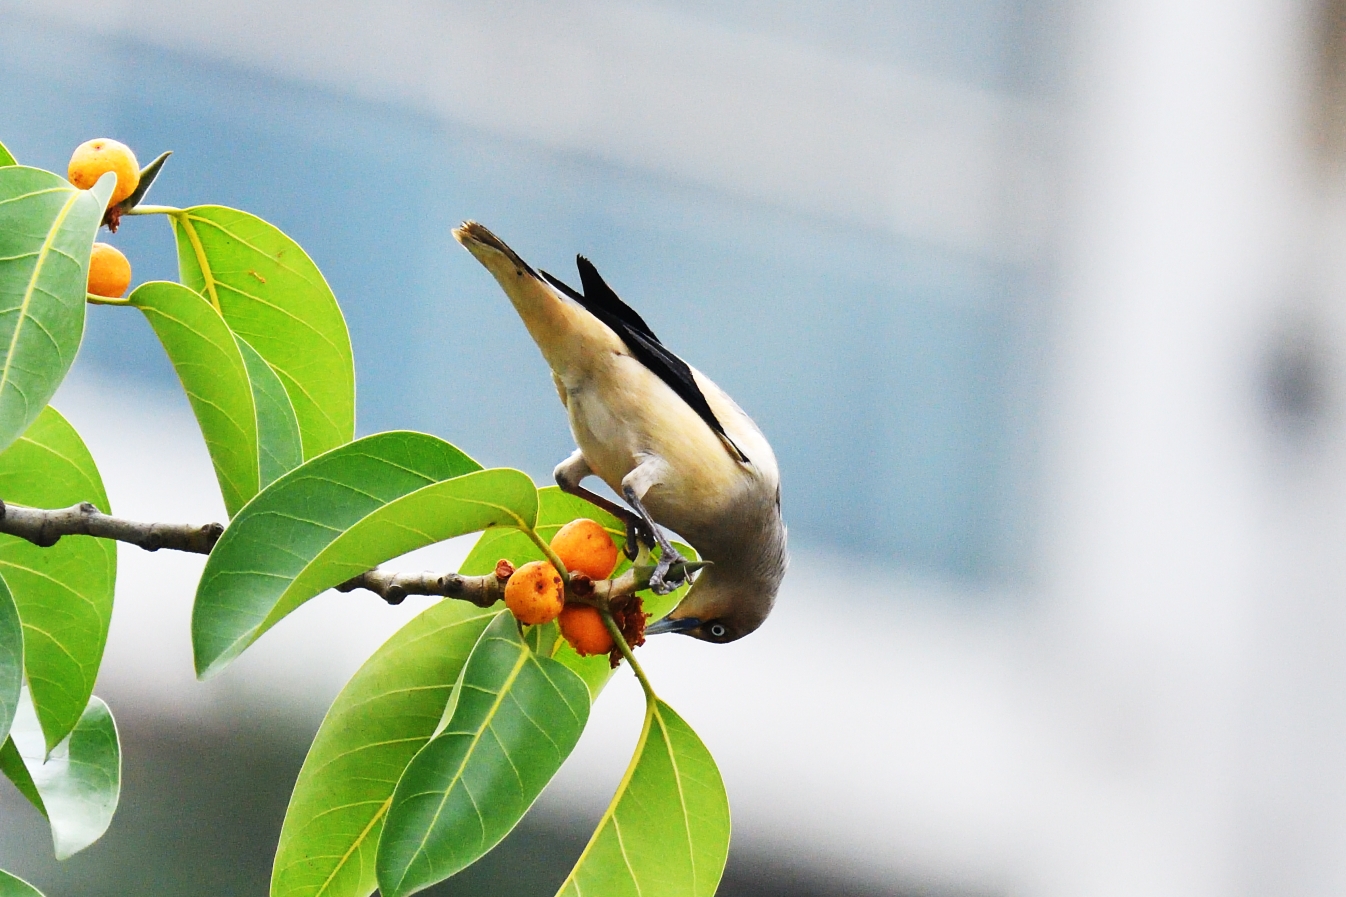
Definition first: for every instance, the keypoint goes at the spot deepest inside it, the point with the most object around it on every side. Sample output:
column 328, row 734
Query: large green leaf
column 517, row 718
column 64, row 593
column 6, row 158
column 47, row 229
column 240, row 405
column 12, row 885
column 78, row 785
column 666, row 833
column 555, row 510
column 11, row 658
column 211, row 368
column 335, row 517
column 274, row 297
column 383, row 716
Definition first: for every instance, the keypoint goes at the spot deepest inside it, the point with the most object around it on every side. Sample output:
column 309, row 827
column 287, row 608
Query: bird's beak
column 668, row 624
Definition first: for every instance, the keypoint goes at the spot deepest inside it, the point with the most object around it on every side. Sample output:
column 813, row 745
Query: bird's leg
column 668, row 555
column 574, row 469
column 637, row 534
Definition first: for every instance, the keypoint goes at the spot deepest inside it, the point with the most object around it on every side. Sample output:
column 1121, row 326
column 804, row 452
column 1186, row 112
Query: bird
column 663, row 436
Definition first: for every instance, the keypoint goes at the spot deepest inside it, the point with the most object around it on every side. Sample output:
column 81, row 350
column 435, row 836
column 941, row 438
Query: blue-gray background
column 894, row 376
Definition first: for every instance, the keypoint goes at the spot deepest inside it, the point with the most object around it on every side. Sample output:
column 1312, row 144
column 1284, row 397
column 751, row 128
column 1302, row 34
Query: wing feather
column 602, row 302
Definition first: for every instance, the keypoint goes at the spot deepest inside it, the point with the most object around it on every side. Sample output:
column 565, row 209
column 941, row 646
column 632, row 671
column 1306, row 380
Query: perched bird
column 662, row 435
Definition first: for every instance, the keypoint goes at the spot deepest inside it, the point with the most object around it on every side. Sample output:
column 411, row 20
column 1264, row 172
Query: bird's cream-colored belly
column 622, row 415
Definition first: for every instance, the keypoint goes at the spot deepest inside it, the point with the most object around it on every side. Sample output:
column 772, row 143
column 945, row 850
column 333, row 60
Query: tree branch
column 44, row 528
column 483, row 591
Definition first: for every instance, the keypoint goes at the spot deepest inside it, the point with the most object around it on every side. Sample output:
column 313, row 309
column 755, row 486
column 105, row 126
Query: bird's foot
column 660, row 582
column 637, row 534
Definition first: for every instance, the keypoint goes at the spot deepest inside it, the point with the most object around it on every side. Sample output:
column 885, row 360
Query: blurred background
column 1039, row 301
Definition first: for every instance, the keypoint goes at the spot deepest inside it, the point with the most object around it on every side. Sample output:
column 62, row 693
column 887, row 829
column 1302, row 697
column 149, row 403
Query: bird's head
column 728, row 601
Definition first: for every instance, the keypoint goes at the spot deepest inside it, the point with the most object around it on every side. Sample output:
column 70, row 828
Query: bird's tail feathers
column 554, row 324
column 473, row 236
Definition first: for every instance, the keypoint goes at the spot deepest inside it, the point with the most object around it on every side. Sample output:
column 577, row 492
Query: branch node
column 581, row 586
column 47, row 533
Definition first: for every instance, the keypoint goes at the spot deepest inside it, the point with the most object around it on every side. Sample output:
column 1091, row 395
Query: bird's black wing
column 603, row 303
column 598, row 294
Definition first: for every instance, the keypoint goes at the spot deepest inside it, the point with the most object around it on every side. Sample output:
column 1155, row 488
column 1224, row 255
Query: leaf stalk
column 152, row 210
column 620, row 642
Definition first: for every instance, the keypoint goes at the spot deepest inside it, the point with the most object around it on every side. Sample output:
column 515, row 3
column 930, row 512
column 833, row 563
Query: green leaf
column 274, row 297
column 6, row 157
column 64, row 593
column 12, row 885
column 12, row 766
column 239, row 402
column 47, row 229
column 518, row 717
column 79, row 783
column 383, row 716
column 148, row 174
column 555, row 510
column 666, row 832
column 279, row 445
column 11, row 658
column 215, row 378
column 337, row 516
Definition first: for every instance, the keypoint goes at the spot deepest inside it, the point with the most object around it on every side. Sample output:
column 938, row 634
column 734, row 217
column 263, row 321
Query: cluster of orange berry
column 109, row 271
column 535, row 593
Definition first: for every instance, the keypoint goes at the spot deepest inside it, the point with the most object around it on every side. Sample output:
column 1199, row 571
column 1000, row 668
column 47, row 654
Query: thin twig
column 483, row 591
column 45, row 527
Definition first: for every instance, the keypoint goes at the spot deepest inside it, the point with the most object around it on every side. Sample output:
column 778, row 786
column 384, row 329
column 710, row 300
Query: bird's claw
column 660, row 583
column 637, row 534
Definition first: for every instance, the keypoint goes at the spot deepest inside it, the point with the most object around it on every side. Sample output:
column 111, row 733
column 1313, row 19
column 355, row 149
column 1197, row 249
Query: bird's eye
column 717, row 630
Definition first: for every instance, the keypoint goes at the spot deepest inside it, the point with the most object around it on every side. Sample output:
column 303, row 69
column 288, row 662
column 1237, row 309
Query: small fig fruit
column 109, row 272
column 583, row 627
column 584, row 546
column 95, row 158
column 535, row 593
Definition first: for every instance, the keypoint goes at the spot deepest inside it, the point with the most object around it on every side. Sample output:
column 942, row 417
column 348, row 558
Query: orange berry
column 585, row 547
column 583, row 627
column 95, row 158
column 535, row 593
column 109, row 272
